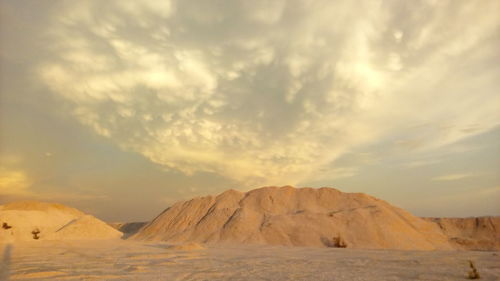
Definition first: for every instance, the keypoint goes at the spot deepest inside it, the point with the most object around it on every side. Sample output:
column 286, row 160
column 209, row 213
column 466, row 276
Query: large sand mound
column 19, row 220
column 322, row 217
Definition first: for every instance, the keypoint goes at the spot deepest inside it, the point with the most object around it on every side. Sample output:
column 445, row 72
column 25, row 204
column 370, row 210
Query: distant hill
column 482, row 233
column 128, row 228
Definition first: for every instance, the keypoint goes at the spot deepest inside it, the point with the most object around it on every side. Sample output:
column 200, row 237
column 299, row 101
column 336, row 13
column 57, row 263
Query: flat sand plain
column 130, row 260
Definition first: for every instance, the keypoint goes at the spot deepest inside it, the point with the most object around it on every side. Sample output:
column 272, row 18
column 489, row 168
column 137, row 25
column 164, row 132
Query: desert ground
column 133, row 260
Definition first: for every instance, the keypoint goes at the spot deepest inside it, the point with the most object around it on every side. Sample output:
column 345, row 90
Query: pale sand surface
column 130, row 260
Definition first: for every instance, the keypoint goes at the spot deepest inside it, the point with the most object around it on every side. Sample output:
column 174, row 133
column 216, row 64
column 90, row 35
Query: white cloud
column 14, row 182
column 421, row 163
column 398, row 35
column 454, row 177
column 273, row 92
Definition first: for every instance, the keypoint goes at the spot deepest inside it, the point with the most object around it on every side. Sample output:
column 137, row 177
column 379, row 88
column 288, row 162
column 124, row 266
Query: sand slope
column 85, row 227
column 54, row 222
column 482, row 233
column 322, row 217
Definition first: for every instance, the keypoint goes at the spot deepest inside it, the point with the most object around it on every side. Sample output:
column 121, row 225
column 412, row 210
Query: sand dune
column 19, row 221
column 290, row 216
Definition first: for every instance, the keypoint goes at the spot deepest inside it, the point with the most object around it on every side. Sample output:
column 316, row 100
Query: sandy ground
column 128, row 260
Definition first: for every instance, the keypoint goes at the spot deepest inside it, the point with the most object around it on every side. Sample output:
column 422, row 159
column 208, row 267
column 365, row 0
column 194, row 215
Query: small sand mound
column 191, row 246
column 29, row 205
column 31, row 220
column 86, row 227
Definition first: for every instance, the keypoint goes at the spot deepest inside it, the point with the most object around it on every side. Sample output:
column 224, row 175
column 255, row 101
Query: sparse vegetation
column 335, row 242
column 338, row 242
column 6, row 226
column 35, row 233
column 473, row 273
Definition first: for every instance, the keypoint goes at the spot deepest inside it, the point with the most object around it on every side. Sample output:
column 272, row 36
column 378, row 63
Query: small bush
column 338, row 242
column 35, row 233
column 473, row 273
column 6, row 226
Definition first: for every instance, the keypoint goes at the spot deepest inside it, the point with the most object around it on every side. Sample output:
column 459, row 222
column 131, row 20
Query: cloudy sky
column 121, row 108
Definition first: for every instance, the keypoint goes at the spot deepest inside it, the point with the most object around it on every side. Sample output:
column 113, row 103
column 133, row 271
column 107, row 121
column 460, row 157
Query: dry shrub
column 35, row 233
column 473, row 273
column 338, row 242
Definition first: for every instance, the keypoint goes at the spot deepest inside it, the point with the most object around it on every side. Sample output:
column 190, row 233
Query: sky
column 121, row 108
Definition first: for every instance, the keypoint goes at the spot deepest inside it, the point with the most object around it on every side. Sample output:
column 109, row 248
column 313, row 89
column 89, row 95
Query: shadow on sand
column 5, row 263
